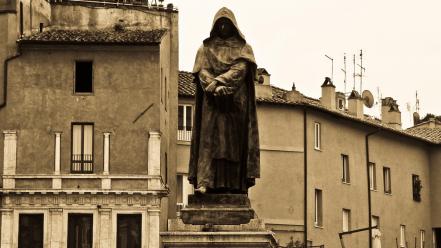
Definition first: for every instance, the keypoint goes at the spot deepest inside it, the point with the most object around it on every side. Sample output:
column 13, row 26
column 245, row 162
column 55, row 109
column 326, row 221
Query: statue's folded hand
column 211, row 87
column 222, row 91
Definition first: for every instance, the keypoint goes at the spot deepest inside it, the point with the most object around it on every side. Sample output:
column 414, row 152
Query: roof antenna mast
column 344, row 71
column 354, row 75
column 417, row 102
column 332, row 67
column 361, row 70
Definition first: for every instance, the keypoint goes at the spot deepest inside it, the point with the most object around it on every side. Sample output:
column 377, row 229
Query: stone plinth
column 217, row 209
column 248, row 235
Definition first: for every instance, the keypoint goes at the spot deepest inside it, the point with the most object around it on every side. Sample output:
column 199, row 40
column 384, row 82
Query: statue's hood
column 227, row 13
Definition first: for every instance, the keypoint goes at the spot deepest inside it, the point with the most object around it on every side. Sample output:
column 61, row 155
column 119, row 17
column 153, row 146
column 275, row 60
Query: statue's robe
column 224, row 153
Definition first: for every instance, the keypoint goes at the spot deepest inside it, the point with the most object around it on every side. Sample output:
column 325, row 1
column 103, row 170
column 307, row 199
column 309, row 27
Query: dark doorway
column 129, row 231
column 437, row 238
column 80, row 231
column 30, row 231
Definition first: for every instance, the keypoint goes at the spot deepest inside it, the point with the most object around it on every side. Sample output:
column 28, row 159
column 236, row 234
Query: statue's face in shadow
column 224, row 28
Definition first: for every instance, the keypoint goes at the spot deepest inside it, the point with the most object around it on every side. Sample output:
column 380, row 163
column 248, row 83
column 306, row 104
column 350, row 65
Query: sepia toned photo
column 221, row 123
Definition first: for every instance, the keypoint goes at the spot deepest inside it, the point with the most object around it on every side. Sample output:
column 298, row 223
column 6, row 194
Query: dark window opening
column 30, row 231
column 129, row 231
column 82, row 148
column 80, row 231
column 83, row 76
column 416, row 188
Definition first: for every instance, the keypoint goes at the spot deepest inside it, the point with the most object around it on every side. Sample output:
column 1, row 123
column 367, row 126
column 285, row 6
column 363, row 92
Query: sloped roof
column 433, row 136
column 101, row 36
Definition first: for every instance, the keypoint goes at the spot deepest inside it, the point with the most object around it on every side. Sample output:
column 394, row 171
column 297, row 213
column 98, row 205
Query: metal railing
column 184, row 135
column 142, row 3
column 82, row 163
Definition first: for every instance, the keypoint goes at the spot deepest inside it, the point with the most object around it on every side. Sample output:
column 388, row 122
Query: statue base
column 253, row 234
column 217, row 209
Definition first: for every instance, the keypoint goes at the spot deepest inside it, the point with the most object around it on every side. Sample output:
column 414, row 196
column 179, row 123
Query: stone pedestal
column 217, row 209
column 248, row 235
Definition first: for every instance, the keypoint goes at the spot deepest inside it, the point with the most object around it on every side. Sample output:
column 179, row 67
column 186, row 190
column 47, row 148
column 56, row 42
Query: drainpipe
column 5, row 76
column 305, row 178
column 368, row 185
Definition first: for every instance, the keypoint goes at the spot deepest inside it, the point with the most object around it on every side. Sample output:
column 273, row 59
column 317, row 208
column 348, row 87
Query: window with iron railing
column 185, row 122
column 82, row 148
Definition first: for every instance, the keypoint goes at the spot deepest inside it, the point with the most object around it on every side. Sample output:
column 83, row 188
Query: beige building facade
column 88, row 108
column 326, row 139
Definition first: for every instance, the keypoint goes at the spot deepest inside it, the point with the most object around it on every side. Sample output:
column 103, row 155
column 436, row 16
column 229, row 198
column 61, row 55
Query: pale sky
column 401, row 42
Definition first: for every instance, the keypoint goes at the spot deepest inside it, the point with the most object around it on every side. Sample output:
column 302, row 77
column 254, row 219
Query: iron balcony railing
column 184, row 135
column 144, row 3
column 82, row 163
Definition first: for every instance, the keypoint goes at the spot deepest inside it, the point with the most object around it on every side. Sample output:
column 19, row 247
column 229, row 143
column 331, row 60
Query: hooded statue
column 224, row 155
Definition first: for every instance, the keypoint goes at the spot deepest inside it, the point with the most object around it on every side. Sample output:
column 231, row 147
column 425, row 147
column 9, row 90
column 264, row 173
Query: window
column 185, row 122
column 341, row 104
column 346, row 178
column 387, row 180
column 83, row 77
column 416, row 188
column 82, row 148
column 346, row 220
column 376, row 221
column 184, row 188
column 80, row 231
column 402, row 236
column 318, row 208
column 372, row 176
column 30, row 231
column 422, row 238
column 317, row 136
column 128, row 230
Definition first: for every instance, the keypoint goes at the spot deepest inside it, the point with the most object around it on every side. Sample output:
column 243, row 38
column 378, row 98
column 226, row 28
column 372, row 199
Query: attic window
column 341, row 104
column 83, row 77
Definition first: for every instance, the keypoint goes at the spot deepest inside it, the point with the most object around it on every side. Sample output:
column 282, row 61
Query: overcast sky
column 401, row 42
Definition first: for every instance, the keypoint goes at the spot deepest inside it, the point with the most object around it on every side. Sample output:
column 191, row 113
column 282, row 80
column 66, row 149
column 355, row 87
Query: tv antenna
column 344, row 70
column 361, row 70
column 353, row 74
column 417, row 102
column 332, row 67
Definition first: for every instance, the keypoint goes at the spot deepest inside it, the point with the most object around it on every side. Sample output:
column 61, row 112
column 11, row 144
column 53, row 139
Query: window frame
column 184, row 117
column 373, row 176
column 415, row 197
column 75, row 78
column 422, row 238
column 138, row 215
column 92, row 229
column 318, row 208
column 387, row 183
column 317, row 136
column 346, row 172
column 348, row 215
column 402, row 236
column 82, row 171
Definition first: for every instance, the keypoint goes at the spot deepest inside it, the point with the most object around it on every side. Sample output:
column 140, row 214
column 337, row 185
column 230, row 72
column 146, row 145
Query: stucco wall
column 435, row 185
column 404, row 157
column 41, row 101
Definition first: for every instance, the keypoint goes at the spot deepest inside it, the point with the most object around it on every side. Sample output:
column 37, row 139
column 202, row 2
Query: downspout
column 5, row 76
column 305, row 179
column 368, row 185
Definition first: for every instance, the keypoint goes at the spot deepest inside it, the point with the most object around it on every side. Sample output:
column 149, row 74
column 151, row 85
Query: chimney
column 355, row 104
column 328, row 94
column 262, row 86
column 293, row 95
column 390, row 113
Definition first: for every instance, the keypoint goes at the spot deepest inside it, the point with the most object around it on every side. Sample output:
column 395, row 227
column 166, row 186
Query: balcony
column 151, row 4
column 184, row 134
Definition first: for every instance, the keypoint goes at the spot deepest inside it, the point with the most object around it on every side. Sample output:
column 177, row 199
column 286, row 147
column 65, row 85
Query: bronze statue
column 224, row 155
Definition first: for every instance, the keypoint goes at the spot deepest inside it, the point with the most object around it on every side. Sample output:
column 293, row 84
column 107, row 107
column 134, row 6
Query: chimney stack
column 293, row 95
column 355, row 104
column 262, row 86
column 390, row 113
column 328, row 94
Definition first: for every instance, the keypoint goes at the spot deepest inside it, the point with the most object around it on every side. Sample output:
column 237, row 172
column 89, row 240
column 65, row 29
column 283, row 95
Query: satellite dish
column 368, row 98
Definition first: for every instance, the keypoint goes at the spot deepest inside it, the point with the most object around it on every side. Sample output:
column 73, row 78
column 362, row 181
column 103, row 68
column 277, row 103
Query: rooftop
column 102, row 36
column 433, row 136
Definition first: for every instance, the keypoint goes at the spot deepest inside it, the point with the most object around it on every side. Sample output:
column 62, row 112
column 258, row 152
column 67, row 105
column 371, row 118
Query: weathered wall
column 41, row 101
column 82, row 17
column 325, row 172
column 435, row 185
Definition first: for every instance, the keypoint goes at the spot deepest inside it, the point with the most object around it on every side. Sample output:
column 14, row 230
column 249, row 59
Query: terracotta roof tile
column 186, row 88
column 103, row 36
